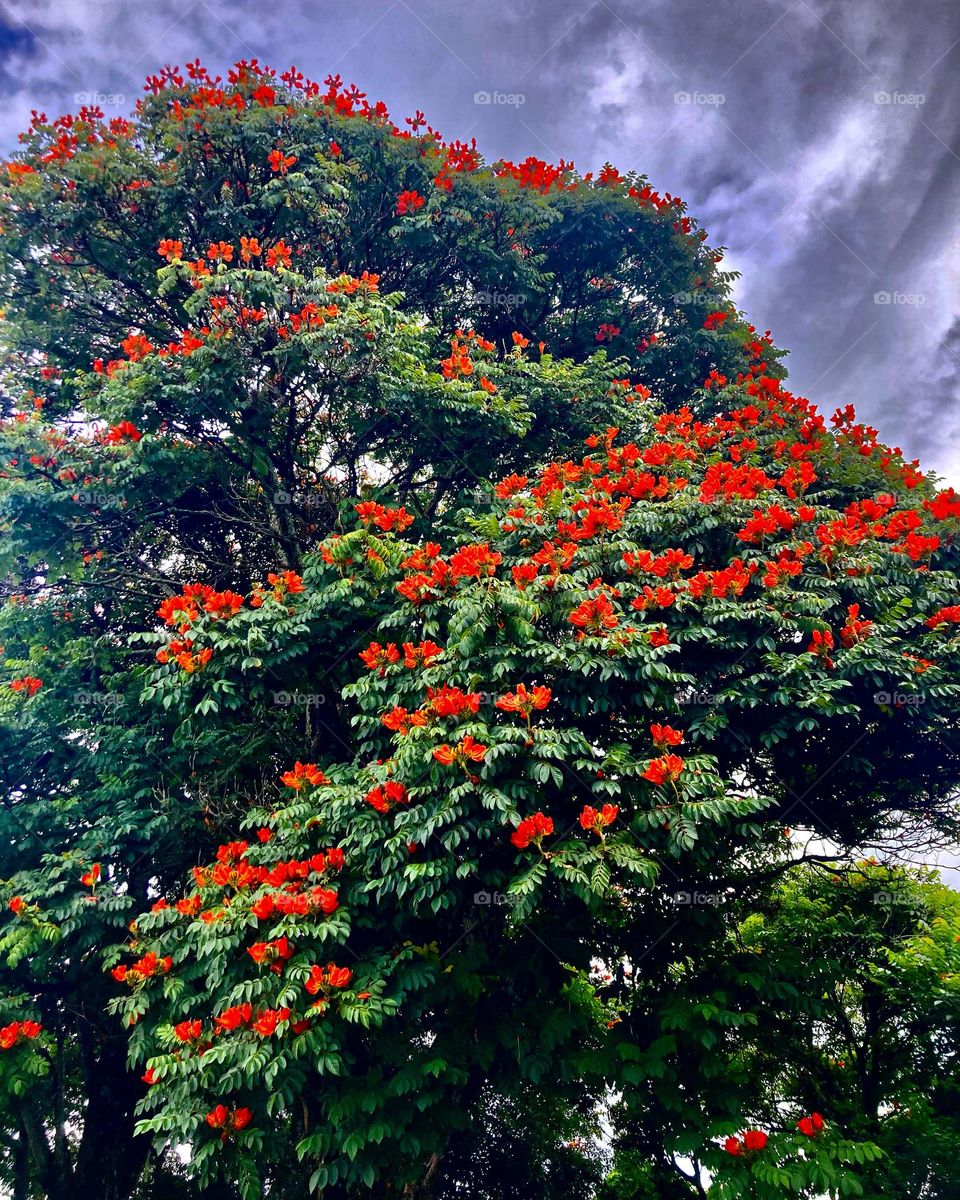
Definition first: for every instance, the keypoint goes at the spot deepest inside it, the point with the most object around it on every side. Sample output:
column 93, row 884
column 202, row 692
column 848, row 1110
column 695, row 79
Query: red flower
column 854, row 630
column 188, row 1031
column 590, row 818
column 821, row 643
column 223, row 605
column 18, row 1031
column 268, row 1020
column 523, row 702
column 466, row 750
column 287, row 583
column 378, row 657
column 272, row 954
column 754, row 1139
column 532, row 829
column 398, row 720
column 303, row 773
column 422, row 655
column 387, row 519
column 228, row 1120
column 328, row 977
column 944, row 616
column 386, row 795
column 279, row 254
column 810, row 1126
column 28, row 684
column 89, row 878
column 233, row 1018
column 409, row 201
column 732, row 1146
column 663, row 735
column 264, row 96
column 17, row 905
column 594, row 616
column 662, row 770
column 449, row 701
column 607, row 332
column 279, row 162
column 715, row 320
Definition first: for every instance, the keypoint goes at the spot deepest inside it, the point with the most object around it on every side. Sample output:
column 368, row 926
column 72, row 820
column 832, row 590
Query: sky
column 817, row 140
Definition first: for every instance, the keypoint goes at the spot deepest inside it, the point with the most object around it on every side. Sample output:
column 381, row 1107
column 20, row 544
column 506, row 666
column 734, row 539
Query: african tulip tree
column 361, row 729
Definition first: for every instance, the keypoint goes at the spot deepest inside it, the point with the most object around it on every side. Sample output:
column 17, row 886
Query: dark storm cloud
column 817, row 139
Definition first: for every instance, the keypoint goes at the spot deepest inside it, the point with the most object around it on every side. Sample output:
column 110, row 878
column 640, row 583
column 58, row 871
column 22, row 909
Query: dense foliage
column 398, row 800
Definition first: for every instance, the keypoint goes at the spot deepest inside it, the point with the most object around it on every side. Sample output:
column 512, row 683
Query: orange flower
column 279, row 162
column 590, row 818
column 279, row 254
column 89, row 878
column 466, row 750
column 524, row 702
column 28, row 684
column 663, row 735
column 662, row 770
column 303, row 773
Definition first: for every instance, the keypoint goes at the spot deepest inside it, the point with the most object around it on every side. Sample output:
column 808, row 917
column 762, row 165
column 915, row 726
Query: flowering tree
column 361, row 732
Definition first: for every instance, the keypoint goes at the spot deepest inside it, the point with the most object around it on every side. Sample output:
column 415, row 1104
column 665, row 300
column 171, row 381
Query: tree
column 290, row 492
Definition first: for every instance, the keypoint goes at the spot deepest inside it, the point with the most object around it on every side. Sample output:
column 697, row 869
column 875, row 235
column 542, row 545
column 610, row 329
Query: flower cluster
column 18, row 1032
column 228, row 1120
column 532, row 829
